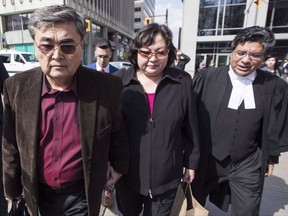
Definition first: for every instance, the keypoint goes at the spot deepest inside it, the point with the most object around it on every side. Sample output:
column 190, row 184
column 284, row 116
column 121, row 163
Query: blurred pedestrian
column 181, row 60
column 285, row 70
column 271, row 64
column 103, row 54
column 160, row 115
column 62, row 123
column 242, row 112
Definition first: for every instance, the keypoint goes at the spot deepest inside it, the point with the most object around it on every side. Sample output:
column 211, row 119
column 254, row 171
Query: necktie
column 102, row 70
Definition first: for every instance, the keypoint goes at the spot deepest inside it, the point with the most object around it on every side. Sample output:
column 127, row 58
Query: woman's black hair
column 146, row 36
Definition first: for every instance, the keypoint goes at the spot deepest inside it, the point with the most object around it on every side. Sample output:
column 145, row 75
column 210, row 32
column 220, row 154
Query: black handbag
column 19, row 208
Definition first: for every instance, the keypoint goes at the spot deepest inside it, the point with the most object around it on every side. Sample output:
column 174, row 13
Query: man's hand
column 112, row 177
column 189, row 175
column 270, row 169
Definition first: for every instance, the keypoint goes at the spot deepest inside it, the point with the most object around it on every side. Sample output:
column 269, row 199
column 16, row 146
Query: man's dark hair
column 258, row 34
column 146, row 36
column 104, row 44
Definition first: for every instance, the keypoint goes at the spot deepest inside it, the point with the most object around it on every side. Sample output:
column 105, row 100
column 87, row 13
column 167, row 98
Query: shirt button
column 57, row 139
column 55, row 159
column 57, row 118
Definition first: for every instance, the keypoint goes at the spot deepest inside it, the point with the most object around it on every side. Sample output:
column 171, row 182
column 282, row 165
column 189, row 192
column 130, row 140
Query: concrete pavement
column 274, row 200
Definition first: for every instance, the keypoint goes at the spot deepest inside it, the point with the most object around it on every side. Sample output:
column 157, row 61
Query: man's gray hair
column 48, row 16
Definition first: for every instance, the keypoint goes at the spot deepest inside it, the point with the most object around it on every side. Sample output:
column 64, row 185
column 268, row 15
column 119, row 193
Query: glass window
column 17, row 22
column 207, row 22
column 209, row 2
column 235, row 1
column 234, row 16
column 277, row 16
column 225, row 16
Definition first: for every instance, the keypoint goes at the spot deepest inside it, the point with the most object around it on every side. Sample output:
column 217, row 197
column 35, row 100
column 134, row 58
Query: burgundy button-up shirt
column 59, row 153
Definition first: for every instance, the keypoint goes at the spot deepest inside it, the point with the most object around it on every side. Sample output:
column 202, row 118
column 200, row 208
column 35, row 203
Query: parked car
column 121, row 64
column 18, row 61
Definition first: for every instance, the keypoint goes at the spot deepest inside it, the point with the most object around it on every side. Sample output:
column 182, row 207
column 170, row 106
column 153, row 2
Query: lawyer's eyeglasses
column 253, row 55
column 148, row 54
column 66, row 48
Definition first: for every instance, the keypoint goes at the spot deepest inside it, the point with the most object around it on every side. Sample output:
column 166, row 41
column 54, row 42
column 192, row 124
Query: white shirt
column 106, row 69
column 242, row 90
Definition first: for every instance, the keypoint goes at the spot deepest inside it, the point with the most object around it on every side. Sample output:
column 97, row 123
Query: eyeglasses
column 105, row 57
column 48, row 49
column 253, row 55
column 148, row 54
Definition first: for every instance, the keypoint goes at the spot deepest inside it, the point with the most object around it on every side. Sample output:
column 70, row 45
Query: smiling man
column 62, row 123
column 242, row 112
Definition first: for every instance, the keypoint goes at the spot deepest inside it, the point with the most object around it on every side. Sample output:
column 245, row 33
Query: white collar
column 242, row 90
column 106, row 69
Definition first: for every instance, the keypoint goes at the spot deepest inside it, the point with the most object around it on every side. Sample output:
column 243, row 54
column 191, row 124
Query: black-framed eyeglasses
column 105, row 57
column 253, row 55
column 148, row 54
column 66, row 48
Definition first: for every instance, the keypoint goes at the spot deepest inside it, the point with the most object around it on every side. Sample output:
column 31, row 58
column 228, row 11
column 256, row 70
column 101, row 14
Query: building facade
column 209, row 27
column 110, row 19
column 144, row 12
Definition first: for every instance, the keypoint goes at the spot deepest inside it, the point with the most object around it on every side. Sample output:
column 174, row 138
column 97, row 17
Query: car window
column 6, row 58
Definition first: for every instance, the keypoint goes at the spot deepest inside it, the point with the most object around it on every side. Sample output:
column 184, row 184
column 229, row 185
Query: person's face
column 247, row 57
column 153, row 59
column 270, row 62
column 63, row 47
column 103, row 56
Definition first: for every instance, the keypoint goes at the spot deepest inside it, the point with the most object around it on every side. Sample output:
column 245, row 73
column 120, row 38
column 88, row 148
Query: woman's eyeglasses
column 48, row 49
column 148, row 54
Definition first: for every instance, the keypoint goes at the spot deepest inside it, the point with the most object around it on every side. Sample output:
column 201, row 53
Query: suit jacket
column 209, row 86
column 102, row 133
column 112, row 69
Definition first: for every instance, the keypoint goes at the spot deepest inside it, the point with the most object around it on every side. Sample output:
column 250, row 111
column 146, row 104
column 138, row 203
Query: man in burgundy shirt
column 62, row 123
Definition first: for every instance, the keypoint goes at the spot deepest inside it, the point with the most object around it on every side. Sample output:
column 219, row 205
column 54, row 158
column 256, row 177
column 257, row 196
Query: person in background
column 271, row 64
column 161, row 120
column 62, row 123
column 181, row 60
column 285, row 69
column 103, row 54
column 3, row 76
column 242, row 112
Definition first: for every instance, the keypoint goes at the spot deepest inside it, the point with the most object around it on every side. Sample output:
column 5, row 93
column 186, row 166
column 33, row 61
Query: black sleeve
column 3, row 75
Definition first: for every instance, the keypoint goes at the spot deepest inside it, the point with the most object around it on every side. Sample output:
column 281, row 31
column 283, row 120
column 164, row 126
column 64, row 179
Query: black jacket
column 210, row 86
column 162, row 145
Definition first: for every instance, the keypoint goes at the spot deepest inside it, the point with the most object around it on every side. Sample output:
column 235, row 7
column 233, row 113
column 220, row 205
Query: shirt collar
column 46, row 88
column 98, row 68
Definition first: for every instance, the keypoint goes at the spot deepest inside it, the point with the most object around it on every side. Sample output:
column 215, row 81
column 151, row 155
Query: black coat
column 210, row 86
column 3, row 76
column 157, row 143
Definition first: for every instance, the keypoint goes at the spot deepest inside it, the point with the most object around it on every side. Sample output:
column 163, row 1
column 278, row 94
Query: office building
column 209, row 26
column 110, row 19
column 144, row 13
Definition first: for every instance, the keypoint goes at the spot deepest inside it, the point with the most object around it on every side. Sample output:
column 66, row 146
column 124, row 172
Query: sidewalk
column 274, row 200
